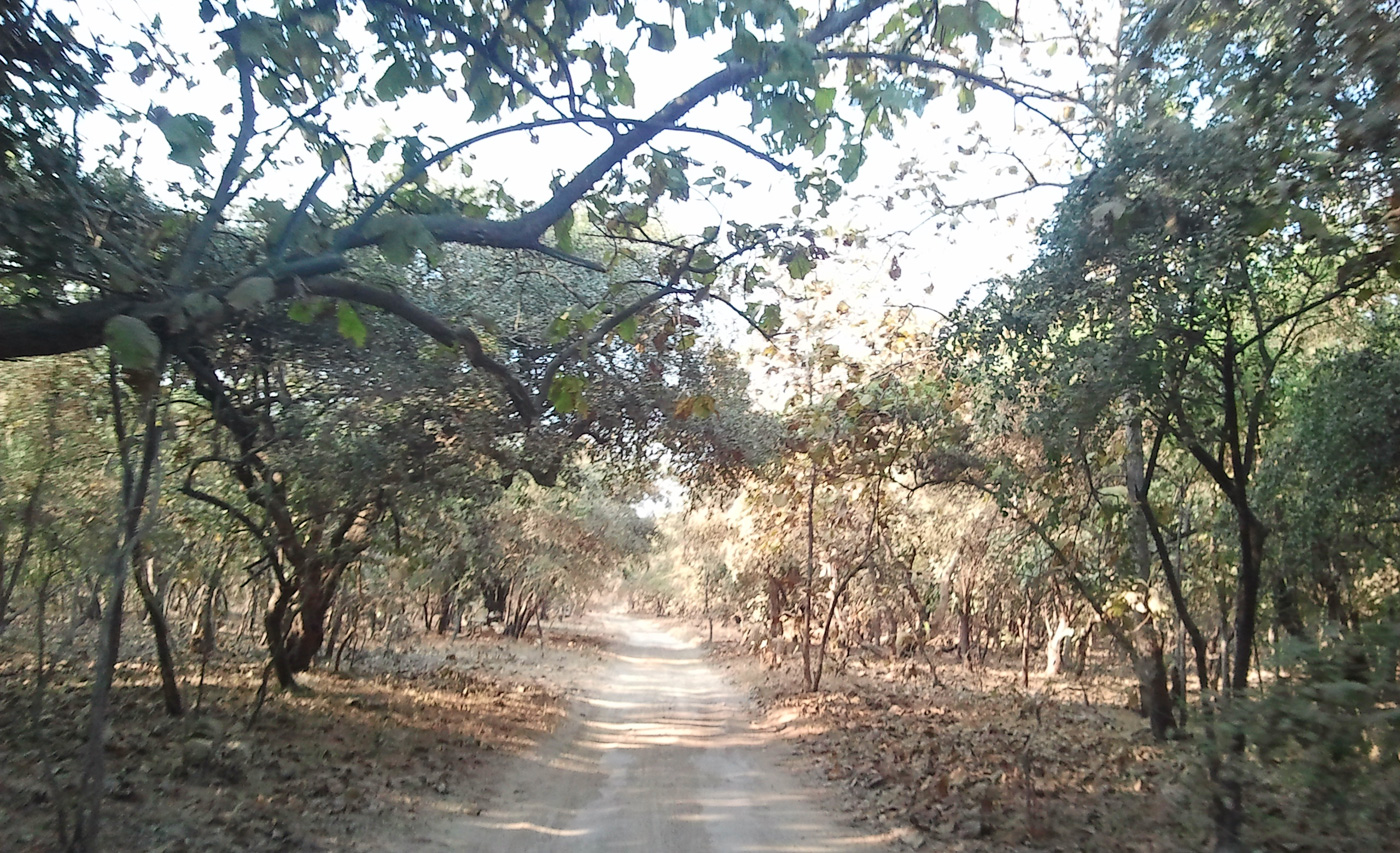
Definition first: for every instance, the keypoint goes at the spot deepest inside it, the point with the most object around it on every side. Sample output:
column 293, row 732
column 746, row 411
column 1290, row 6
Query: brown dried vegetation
column 330, row 767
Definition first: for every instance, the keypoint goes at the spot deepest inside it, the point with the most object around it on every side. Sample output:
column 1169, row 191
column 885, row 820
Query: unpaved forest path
column 658, row 754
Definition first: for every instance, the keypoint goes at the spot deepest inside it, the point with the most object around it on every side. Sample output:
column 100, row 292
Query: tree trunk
column 137, row 489
column 1247, row 597
column 160, row 630
column 1081, row 651
column 204, row 639
column 12, row 569
column 1026, row 647
column 836, row 596
column 807, row 680
column 1286, row 611
column 1149, row 662
column 1153, row 688
column 709, row 613
column 275, row 629
column 965, row 631
column 309, row 632
column 444, row 615
column 1055, row 648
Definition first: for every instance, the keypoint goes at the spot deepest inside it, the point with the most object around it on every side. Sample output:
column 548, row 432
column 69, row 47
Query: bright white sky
column 939, row 264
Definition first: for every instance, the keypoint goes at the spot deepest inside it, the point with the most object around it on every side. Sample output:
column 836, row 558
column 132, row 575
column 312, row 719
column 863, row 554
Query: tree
column 539, row 67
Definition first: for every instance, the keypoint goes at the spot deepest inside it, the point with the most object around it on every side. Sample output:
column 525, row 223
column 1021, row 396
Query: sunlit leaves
column 566, row 395
column 349, row 324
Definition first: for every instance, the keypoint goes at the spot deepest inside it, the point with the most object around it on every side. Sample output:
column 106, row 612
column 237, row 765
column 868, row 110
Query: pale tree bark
column 808, row 681
column 1149, row 663
column 1060, row 634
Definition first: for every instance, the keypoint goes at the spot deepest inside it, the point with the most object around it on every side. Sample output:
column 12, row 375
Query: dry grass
column 322, row 769
column 975, row 762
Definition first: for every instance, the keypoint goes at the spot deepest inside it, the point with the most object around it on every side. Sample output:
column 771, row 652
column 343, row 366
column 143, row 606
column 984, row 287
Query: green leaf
column 1310, row 223
column 349, row 324
column 662, row 38
column 771, row 320
column 402, row 237
column 624, row 90
column 1119, row 492
column 799, row 266
column 306, row 310
column 395, row 82
column 1257, row 220
column 200, row 305
column 132, row 343
column 852, row 156
column 190, row 137
column 486, row 97
column 566, row 394
column 967, row 100
column 627, row 330
column 564, row 232
column 746, row 45
column 824, row 100
column 699, row 18
column 559, row 329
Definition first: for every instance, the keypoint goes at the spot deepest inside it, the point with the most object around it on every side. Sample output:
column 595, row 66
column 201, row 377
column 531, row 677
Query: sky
column 939, row 257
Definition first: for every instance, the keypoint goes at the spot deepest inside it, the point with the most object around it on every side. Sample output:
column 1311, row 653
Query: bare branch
column 193, row 253
column 1019, row 96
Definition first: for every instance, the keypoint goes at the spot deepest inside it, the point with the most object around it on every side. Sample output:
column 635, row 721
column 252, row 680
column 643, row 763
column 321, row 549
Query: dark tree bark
column 160, row 631
column 445, row 610
column 965, row 630
column 275, row 630
column 1153, row 690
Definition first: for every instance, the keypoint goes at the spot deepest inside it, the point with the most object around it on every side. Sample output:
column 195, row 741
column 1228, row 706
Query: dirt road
column 658, row 754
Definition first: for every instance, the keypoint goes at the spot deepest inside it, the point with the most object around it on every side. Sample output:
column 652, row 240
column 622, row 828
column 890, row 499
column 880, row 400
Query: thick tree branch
column 433, row 326
column 68, row 328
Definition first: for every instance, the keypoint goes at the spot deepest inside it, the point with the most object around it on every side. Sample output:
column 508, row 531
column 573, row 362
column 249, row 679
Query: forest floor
column 973, row 761
column 432, row 727
column 352, row 757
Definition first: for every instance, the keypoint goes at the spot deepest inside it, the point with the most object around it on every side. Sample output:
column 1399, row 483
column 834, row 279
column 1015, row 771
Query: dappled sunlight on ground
column 658, row 754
